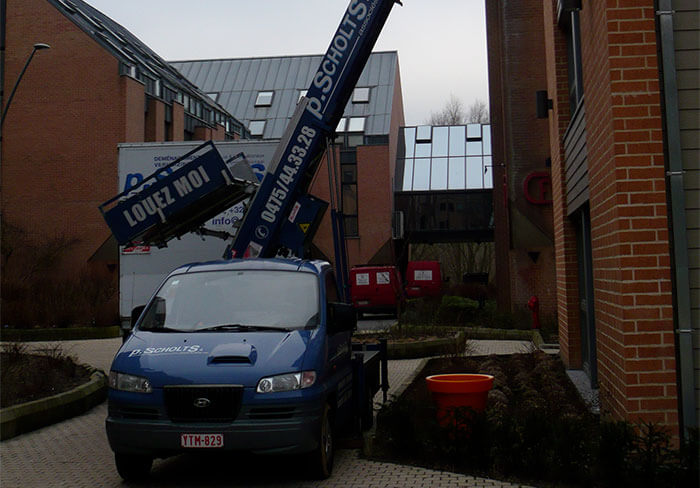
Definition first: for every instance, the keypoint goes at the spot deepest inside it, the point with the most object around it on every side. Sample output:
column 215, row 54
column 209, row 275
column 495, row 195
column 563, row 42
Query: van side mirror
column 135, row 314
column 341, row 317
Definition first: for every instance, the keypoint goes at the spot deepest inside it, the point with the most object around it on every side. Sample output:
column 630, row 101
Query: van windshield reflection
column 234, row 301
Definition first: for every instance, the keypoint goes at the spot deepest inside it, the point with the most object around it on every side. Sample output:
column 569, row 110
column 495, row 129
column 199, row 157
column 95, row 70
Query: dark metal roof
column 238, row 81
column 139, row 61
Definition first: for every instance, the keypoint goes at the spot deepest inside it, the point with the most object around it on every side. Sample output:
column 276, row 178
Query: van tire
column 321, row 459
column 133, row 467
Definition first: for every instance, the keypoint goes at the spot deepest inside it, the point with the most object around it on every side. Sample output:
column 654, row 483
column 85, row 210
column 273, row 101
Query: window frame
column 570, row 23
column 264, row 102
column 256, row 133
column 361, row 94
column 356, row 120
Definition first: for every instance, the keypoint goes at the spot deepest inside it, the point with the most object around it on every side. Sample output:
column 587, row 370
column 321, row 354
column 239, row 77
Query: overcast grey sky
column 441, row 43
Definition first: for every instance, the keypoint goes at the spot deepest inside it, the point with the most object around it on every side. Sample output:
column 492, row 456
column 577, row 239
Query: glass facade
column 446, row 158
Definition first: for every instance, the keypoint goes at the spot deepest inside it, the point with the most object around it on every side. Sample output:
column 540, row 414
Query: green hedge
column 502, row 334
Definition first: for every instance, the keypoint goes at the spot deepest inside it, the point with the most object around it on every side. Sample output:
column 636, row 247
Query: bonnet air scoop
column 236, row 353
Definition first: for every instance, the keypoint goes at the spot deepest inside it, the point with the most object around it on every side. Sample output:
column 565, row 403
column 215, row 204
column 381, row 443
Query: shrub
column 38, row 289
column 420, row 311
column 535, row 428
column 456, row 310
column 27, row 375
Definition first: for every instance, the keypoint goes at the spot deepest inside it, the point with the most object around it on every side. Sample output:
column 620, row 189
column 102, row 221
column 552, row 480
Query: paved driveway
column 75, row 453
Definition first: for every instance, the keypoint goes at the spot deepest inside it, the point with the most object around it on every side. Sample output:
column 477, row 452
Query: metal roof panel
column 286, row 75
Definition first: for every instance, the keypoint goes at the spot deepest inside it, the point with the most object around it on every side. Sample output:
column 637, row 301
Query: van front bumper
column 161, row 438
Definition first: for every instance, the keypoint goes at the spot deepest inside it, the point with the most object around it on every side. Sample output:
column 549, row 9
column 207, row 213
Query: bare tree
column 454, row 113
column 478, row 113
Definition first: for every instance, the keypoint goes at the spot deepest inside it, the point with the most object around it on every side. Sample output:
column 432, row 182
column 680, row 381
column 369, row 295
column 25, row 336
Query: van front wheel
column 133, row 467
column 321, row 459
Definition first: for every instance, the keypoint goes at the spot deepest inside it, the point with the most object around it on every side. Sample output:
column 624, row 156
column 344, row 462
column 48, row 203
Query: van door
column 339, row 348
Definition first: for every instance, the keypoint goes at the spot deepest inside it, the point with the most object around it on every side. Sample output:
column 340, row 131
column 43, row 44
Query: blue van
column 248, row 355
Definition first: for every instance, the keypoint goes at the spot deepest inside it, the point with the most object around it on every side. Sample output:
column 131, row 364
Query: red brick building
column 95, row 87
column 263, row 93
column 621, row 104
column 98, row 86
column 522, row 193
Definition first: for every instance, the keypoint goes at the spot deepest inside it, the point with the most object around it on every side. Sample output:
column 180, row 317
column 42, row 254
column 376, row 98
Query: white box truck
column 143, row 268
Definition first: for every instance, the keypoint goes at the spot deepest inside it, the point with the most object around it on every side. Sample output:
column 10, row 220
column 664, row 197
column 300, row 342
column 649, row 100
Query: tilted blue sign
column 290, row 174
column 182, row 189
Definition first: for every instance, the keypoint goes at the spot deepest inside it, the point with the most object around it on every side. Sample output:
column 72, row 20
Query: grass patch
column 469, row 313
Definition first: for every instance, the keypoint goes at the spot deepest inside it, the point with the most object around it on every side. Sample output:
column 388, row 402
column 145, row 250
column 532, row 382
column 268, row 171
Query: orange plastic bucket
column 451, row 391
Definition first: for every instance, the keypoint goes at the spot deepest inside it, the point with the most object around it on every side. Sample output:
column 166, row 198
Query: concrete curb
column 19, row 419
column 68, row 334
column 369, row 436
column 422, row 349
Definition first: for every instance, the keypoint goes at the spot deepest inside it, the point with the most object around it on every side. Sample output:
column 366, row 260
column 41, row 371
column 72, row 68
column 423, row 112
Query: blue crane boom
column 281, row 216
column 289, row 177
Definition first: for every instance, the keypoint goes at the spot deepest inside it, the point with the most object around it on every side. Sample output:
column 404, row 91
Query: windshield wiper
column 161, row 329
column 243, row 328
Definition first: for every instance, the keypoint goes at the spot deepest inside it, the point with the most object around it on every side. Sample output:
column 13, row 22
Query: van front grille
column 213, row 403
column 274, row 413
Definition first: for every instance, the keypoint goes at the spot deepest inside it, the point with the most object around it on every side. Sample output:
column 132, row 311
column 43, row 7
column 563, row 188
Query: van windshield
column 234, row 300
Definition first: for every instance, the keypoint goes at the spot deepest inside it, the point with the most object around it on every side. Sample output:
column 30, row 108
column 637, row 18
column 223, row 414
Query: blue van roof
column 279, row 264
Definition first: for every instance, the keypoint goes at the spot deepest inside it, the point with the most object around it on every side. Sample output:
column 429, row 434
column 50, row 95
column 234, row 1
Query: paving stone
column 75, row 452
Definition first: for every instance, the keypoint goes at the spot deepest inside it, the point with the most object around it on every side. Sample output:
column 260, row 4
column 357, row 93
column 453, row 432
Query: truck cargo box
column 376, row 289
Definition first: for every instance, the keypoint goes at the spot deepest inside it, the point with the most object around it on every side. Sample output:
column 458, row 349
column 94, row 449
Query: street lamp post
column 38, row 46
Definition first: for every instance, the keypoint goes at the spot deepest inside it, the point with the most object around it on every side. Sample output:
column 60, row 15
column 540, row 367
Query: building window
column 570, row 22
column 356, row 124
column 264, row 98
column 214, row 96
column 256, row 128
column 360, row 95
column 424, row 134
column 348, row 180
column 446, row 158
column 150, row 83
column 342, row 125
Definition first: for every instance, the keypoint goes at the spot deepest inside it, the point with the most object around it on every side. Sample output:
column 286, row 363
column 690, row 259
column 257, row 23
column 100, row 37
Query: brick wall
column 520, row 148
column 177, row 126
column 532, row 276
column 566, row 261
column 59, row 139
column 633, row 263
column 155, row 120
column 495, row 34
column 374, row 191
column 632, row 287
column 374, row 196
column 375, row 174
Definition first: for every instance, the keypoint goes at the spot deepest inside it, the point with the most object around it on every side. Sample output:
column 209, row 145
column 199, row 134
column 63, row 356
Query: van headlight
column 286, row 382
column 128, row 382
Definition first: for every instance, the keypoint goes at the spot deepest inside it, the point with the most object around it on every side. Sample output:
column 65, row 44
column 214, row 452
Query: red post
column 534, row 305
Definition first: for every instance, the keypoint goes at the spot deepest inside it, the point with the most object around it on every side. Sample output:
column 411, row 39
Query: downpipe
column 676, row 198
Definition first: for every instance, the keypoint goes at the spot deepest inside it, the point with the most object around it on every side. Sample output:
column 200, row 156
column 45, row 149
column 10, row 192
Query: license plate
column 202, row 440
column 363, row 302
